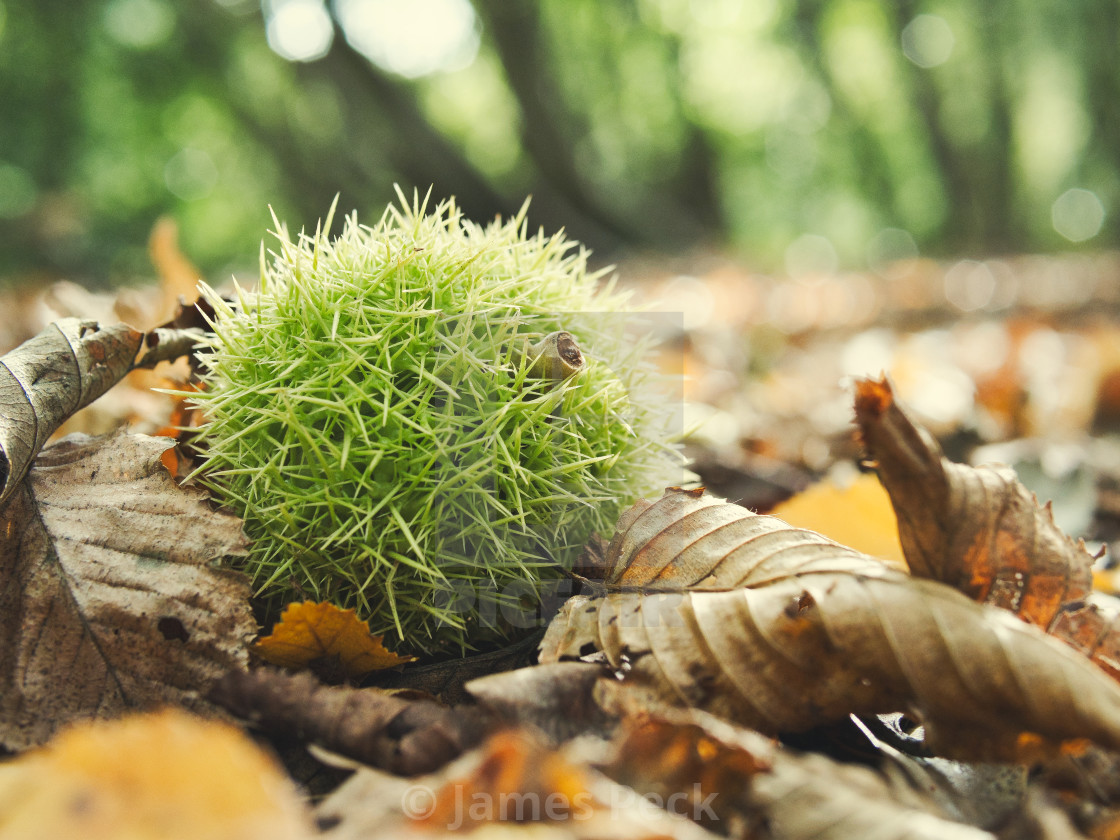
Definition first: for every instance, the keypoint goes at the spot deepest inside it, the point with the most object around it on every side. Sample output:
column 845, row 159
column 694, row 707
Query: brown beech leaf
column 311, row 633
column 108, row 599
column 64, row 368
column 781, row 629
column 979, row 530
column 405, row 735
column 164, row 775
column 752, row 782
column 559, row 700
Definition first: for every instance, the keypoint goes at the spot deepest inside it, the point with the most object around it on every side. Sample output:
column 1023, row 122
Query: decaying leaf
column 164, row 775
column 65, row 367
column 558, row 700
column 857, row 515
column 310, row 634
column 781, row 629
column 407, row 736
column 108, row 599
column 751, row 782
column 982, row 532
column 512, row 783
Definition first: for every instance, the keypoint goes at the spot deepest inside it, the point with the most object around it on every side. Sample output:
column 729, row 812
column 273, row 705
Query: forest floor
column 1014, row 361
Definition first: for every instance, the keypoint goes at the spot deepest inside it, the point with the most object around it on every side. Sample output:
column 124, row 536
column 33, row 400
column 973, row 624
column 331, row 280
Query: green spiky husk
column 370, row 417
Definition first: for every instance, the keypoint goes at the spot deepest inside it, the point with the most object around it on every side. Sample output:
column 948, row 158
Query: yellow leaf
column 859, row 516
column 159, row 776
column 310, row 631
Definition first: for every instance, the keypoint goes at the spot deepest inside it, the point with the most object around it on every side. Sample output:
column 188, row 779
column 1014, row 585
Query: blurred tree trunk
column 551, row 130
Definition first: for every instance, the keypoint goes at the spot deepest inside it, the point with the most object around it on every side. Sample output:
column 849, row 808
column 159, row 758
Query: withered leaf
column 558, row 700
column 408, row 736
column 64, row 368
column 108, row 599
column 751, row 782
column 781, row 629
column 310, row 632
column 979, row 530
column 511, row 782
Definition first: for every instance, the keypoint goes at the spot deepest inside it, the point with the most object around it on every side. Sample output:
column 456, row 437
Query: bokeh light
column 414, row 38
column 928, row 41
column 191, row 174
column 299, row 30
column 1077, row 215
column 140, row 24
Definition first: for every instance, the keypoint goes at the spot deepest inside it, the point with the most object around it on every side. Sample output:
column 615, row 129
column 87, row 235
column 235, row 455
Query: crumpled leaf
column 405, row 735
column 858, row 515
column 781, row 629
column 65, row 367
column 980, row 794
column 164, row 775
column 312, row 633
column 558, row 700
column 108, row 599
column 751, row 782
column 979, row 530
column 510, row 783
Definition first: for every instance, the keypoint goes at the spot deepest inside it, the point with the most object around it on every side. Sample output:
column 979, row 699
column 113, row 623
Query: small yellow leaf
column 859, row 516
column 311, row 631
column 159, row 776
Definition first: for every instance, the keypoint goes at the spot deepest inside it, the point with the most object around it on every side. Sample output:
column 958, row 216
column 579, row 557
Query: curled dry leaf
column 751, row 782
column 326, row 638
column 108, row 597
column 407, row 736
column 46, row 379
column 982, row 532
column 64, row 368
column 558, row 700
column 781, row 629
column 167, row 775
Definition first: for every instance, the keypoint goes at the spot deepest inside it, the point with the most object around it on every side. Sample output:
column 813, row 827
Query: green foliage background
column 634, row 123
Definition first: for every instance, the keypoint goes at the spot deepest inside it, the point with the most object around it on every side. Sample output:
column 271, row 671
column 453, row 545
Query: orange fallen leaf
column 178, row 275
column 310, row 632
column 164, row 775
column 859, row 516
column 514, row 767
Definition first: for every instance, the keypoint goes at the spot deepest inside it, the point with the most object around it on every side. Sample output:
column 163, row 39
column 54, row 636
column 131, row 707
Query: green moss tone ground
column 373, row 419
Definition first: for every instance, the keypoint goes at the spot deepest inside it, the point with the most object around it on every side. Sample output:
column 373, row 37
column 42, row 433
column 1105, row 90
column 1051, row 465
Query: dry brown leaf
column 858, row 515
column 509, row 786
column 558, row 700
column 404, row 735
column 781, row 629
column 751, row 782
column 108, row 596
column 981, row 531
column 64, row 368
column 164, row 775
column 310, row 633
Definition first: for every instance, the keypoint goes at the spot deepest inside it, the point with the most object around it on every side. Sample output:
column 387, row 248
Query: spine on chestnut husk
column 426, row 419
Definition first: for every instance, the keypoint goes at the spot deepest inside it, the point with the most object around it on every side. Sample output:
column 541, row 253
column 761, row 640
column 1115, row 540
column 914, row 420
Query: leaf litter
column 566, row 722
